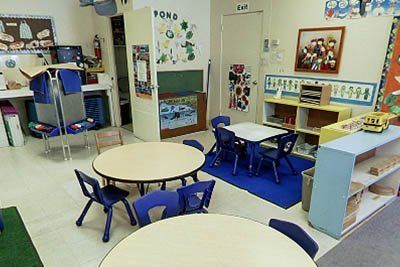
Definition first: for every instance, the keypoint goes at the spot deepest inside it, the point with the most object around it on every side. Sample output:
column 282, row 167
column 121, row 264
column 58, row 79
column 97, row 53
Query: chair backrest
column 186, row 192
column 107, row 139
column 286, row 144
column 297, row 234
column 225, row 139
column 94, row 192
column 224, row 120
column 169, row 200
column 195, row 144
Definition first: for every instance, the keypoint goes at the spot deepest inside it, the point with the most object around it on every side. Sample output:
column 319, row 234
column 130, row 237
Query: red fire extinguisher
column 97, row 46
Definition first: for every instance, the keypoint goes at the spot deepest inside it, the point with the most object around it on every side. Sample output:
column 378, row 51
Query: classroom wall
column 364, row 49
column 218, row 9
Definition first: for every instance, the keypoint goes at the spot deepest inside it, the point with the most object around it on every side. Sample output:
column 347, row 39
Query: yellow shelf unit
column 310, row 119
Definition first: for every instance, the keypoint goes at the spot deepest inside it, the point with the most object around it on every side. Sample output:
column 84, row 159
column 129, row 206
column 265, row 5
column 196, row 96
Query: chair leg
column 212, row 148
column 215, row 158
column 259, row 166
column 291, row 166
column 85, row 210
column 130, row 214
column 183, row 180
column 195, row 177
column 275, row 172
column 236, row 162
column 163, row 186
column 106, row 235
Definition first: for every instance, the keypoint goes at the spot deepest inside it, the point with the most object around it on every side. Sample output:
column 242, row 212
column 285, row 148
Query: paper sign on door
column 142, row 70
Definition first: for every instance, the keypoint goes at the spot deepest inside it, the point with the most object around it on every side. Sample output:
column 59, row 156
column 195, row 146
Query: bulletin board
column 180, row 81
column 388, row 99
column 26, row 34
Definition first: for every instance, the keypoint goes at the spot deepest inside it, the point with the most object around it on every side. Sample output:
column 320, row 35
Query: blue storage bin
column 95, row 109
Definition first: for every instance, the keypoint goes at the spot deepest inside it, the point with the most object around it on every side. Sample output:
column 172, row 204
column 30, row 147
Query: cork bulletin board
column 26, row 34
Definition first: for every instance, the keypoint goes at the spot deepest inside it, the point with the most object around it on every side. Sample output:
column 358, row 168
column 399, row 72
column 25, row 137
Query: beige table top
column 207, row 241
column 148, row 162
column 253, row 132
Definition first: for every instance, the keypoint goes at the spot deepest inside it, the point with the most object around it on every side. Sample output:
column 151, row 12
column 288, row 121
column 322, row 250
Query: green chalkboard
column 180, row 81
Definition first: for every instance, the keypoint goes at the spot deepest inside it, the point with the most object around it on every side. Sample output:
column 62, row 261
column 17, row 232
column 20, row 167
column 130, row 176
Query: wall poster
column 142, row 71
column 176, row 38
column 355, row 9
column 239, row 87
column 388, row 99
column 26, row 34
column 347, row 92
column 177, row 112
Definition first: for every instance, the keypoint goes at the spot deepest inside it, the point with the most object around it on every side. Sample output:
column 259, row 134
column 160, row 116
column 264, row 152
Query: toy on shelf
column 384, row 165
column 376, row 122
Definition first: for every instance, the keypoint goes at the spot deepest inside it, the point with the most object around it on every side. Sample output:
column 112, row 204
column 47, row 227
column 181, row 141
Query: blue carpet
column 285, row 195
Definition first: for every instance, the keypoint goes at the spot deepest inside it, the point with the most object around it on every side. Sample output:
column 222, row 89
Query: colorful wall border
column 342, row 92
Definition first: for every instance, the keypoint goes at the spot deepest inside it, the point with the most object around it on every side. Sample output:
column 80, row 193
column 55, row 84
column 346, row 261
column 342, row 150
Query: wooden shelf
column 370, row 204
column 307, row 131
column 361, row 172
column 277, row 125
column 306, row 156
column 269, row 145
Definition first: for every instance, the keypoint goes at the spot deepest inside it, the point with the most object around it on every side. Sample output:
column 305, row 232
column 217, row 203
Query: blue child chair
column 285, row 147
column 106, row 196
column 196, row 144
column 215, row 123
column 195, row 197
column 226, row 141
column 1, row 223
column 169, row 200
column 297, row 234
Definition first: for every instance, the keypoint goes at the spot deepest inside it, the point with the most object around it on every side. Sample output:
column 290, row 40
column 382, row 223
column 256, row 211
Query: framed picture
column 319, row 50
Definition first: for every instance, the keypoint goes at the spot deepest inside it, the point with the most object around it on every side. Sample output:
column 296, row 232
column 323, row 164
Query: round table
column 207, row 240
column 150, row 162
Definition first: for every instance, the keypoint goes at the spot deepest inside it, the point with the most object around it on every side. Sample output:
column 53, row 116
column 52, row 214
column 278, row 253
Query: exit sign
column 242, row 7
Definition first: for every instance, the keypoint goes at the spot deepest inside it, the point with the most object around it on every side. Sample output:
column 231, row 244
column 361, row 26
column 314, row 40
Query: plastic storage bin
column 95, row 109
column 306, row 191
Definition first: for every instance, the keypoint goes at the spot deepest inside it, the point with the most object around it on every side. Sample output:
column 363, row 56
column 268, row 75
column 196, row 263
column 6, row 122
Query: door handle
column 255, row 82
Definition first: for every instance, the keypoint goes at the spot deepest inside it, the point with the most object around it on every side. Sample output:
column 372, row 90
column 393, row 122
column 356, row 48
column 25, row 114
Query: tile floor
column 47, row 194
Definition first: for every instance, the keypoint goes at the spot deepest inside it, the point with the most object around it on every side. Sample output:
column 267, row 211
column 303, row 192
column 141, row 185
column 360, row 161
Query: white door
column 241, row 47
column 142, row 73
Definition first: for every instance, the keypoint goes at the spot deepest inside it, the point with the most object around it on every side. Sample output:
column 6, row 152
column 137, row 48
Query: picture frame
column 319, row 50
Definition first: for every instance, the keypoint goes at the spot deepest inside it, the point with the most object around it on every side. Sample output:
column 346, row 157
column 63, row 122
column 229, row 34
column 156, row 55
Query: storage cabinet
column 343, row 173
column 304, row 119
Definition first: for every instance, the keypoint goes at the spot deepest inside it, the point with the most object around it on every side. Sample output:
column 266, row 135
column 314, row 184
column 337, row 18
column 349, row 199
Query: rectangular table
column 254, row 134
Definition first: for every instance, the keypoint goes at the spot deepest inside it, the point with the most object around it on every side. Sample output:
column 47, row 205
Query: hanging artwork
column 142, row 71
column 389, row 90
column 176, row 39
column 177, row 112
column 348, row 92
column 354, row 9
column 239, row 87
column 26, row 34
column 319, row 50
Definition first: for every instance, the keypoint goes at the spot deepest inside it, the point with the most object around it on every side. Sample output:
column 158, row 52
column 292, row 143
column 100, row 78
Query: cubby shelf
column 342, row 162
column 370, row 204
column 306, row 117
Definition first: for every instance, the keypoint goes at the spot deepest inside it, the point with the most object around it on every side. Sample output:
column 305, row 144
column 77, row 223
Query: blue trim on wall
column 333, row 99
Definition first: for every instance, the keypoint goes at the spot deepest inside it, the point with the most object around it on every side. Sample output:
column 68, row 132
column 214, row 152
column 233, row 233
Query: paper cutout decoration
column 348, row 92
column 388, row 100
column 354, row 9
column 176, row 39
column 142, row 71
column 239, row 87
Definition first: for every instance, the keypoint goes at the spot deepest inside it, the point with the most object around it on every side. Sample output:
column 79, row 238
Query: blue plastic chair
column 226, row 141
column 1, row 223
column 194, row 143
column 215, row 123
column 106, row 196
column 195, row 197
column 169, row 200
column 297, row 234
column 285, row 147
